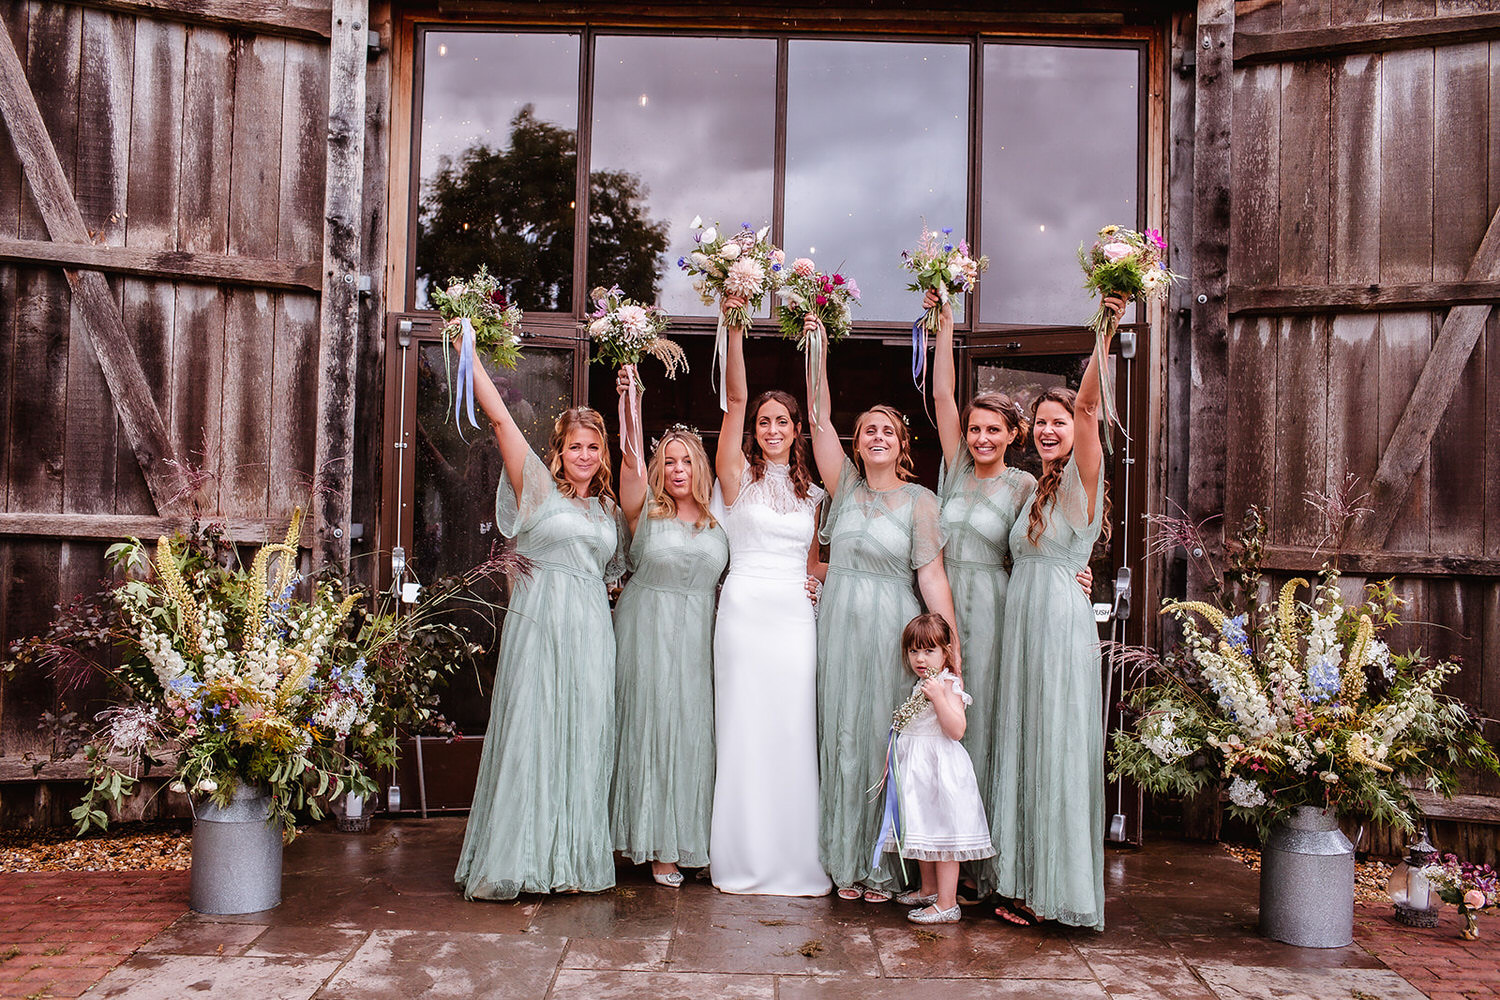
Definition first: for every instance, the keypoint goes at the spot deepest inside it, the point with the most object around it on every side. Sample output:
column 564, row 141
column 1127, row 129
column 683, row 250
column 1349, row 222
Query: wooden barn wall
column 175, row 136
column 1357, row 170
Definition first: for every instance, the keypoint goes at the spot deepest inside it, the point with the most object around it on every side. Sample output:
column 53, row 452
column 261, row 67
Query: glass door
column 1024, row 364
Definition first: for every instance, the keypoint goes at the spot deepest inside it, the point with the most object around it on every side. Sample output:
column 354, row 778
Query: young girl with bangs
column 540, row 817
column 1047, row 783
column 885, row 541
column 661, row 800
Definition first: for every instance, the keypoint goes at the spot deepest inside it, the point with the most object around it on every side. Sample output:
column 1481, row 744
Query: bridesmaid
column 884, row 536
column 981, row 496
column 1048, row 778
column 540, row 819
column 662, row 799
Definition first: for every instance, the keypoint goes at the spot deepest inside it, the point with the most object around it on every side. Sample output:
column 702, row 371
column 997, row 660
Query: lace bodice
column 770, row 528
column 926, row 721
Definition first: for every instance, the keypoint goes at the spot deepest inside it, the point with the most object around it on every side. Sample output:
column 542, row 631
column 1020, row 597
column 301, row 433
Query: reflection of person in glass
column 884, row 534
column 662, row 796
column 764, row 835
column 540, row 818
column 981, row 497
column 1047, row 780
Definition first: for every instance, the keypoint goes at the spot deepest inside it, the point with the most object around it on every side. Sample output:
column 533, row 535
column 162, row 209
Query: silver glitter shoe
column 932, row 915
column 915, row 898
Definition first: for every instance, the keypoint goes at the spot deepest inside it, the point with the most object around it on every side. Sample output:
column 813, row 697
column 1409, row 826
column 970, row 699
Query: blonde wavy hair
column 602, row 485
column 663, row 504
column 905, row 469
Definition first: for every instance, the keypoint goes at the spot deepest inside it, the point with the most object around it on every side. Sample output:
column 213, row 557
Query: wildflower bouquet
column 745, row 265
column 1299, row 703
column 1470, row 887
column 626, row 332
column 943, row 267
column 1128, row 264
column 829, row 297
column 489, row 324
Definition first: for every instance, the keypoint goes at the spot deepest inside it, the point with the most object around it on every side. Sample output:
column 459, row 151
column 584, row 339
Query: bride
column 764, row 835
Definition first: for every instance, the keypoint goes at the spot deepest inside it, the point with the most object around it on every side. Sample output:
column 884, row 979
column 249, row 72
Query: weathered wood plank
column 147, row 527
column 1354, row 184
column 179, row 265
column 258, row 16
column 156, row 110
column 1417, row 32
column 1405, row 346
column 1380, row 563
column 294, row 392
column 207, row 142
column 146, row 309
column 198, row 395
column 1406, row 121
column 1353, row 400
column 246, row 407
column 1301, row 444
column 1250, row 420
column 89, row 435
column 1255, row 240
column 1367, row 298
column 8, row 338
column 1478, row 808
column 13, row 21
column 1302, row 174
column 30, row 583
column 1492, row 448
column 39, row 391
column 304, row 133
column 53, row 57
column 333, row 458
column 255, row 166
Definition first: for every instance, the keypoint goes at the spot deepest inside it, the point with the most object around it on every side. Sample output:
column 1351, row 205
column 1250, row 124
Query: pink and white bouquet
column 490, row 325
column 744, row 264
column 1470, row 887
column 805, row 289
column 628, row 332
column 944, row 267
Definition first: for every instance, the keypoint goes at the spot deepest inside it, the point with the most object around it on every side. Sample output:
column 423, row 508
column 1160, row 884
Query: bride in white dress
column 764, row 835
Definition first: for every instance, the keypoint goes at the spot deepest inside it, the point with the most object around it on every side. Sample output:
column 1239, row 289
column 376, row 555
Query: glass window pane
column 682, row 127
column 877, row 141
column 499, row 163
column 1059, row 161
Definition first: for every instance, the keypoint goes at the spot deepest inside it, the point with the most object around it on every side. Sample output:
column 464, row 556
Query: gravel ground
column 1370, row 877
column 128, row 847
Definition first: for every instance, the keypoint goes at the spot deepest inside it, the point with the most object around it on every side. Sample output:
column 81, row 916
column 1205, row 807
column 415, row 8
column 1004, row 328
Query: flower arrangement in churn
column 1299, row 703
column 743, row 265
column 627, row 332
column 490, row 325
column 1128, row 264
column 1470, row 887
column 943, row 267
column 830, row 297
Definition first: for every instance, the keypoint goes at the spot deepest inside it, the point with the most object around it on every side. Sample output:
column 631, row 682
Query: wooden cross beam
column 142, row 421
column 1407, row 448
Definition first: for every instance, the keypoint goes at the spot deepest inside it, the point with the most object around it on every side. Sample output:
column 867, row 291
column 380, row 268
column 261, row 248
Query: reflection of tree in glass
column 511, row 210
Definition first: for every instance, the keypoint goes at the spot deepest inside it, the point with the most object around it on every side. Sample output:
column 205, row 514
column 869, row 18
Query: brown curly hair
column 905, row 470
column 602, row 485
column 999, row 403
column 798, row 462
column 1051, row 478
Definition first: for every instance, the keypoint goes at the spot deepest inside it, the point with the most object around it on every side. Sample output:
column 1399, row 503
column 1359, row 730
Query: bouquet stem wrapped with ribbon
column 745, row 264
column 1128, row 264
column 627, row 332
column 829, row 297
column 943, row 267
column 491, row 326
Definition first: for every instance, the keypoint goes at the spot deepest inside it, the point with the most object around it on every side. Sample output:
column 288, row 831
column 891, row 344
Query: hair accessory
column 677, row 428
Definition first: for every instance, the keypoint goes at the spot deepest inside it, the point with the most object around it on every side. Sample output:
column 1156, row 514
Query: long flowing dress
column 765, row 820
column 877, row 540
column 1048, row 784
column 662, row 798
column 540, row 819
column 977, row 518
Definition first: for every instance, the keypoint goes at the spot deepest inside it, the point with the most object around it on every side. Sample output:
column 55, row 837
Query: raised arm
column 1088, row 450
column 945, row 383
column 513, row 446
column 932, row 583
column 828, row 454
column 729, row 459
column 632, row 480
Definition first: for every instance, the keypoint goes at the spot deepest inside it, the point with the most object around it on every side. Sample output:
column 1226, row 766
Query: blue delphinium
column 1323, row 678
column 1234, row 633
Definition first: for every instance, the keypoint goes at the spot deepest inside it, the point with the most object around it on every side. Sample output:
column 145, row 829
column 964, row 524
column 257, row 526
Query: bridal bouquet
column 942, row 267
column 830, row 297
column 1470, row 887
column 745, row 265
column 627, row 332
column 490, row 324
column 1128, row 264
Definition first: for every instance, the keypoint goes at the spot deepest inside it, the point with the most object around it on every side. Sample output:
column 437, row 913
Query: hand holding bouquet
column 941, row 266
column 626, row 332
column 744, row 265
column 806, row 290
column 478, row 313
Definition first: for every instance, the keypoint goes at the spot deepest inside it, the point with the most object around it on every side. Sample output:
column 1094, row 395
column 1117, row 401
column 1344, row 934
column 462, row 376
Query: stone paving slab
column 1248, row 982
column 174, row 977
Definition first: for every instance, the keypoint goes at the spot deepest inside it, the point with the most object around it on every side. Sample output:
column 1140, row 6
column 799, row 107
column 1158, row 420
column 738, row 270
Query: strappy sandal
column 877, row 896
column 1012, row 913
column 672, row 880
column 851, row 893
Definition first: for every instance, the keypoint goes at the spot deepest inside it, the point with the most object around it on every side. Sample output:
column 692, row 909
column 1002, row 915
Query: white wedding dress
column 764, row 836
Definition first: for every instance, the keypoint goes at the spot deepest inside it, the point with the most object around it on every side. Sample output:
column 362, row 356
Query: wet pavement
column 376, row 916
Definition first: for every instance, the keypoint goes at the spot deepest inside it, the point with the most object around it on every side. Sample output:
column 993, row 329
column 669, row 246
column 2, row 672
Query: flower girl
column 933, row 812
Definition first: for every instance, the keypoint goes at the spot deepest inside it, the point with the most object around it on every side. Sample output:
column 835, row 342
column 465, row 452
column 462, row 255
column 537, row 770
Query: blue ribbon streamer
column 464, row 398
column 919, row 350
column 890, row 824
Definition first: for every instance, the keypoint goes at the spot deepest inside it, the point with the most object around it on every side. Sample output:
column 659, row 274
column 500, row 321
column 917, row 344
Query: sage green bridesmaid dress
column 1048, row 782
column 877, row 540
column 540, row 819
column 977, row 518
column 661, row 801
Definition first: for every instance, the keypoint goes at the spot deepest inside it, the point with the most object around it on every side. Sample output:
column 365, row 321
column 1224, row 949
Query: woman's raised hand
column 930, row 301
column 624, row 377
column 733, row 302
column 1115, row 304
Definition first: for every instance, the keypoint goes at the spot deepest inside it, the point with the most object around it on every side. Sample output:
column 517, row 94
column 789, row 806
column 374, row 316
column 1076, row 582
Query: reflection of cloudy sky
column 877, row 139
column 695, row 119
column 476, row 81
column 1059, row 161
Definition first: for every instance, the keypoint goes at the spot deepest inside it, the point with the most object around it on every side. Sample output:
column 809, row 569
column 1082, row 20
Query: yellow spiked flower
column 1353, row 687
column 192, row 617
column 1286, row 612
column 1215, row 617
column 293, row 681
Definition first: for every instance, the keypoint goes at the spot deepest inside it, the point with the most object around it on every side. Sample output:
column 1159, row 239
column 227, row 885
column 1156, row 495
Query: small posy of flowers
column 830, row 297
column 495, row 319
column 743, row 264
column 943, row 266
column 627, row 332
column 1298, row 702
column 1126, row 263
column 1468, row 886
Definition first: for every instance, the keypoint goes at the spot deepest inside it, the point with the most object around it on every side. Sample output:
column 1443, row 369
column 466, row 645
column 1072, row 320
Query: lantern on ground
column 1416, row 903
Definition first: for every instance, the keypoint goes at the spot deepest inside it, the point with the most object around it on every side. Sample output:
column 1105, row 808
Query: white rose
column 730, row 251
column 599, row 327
column 710, row 234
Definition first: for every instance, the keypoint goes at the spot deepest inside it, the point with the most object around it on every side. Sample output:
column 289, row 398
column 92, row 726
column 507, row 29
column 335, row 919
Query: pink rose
column 1117, row 251
column 822, row 300
column 804, row 267
column 778, row 256
column 1474, row 899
